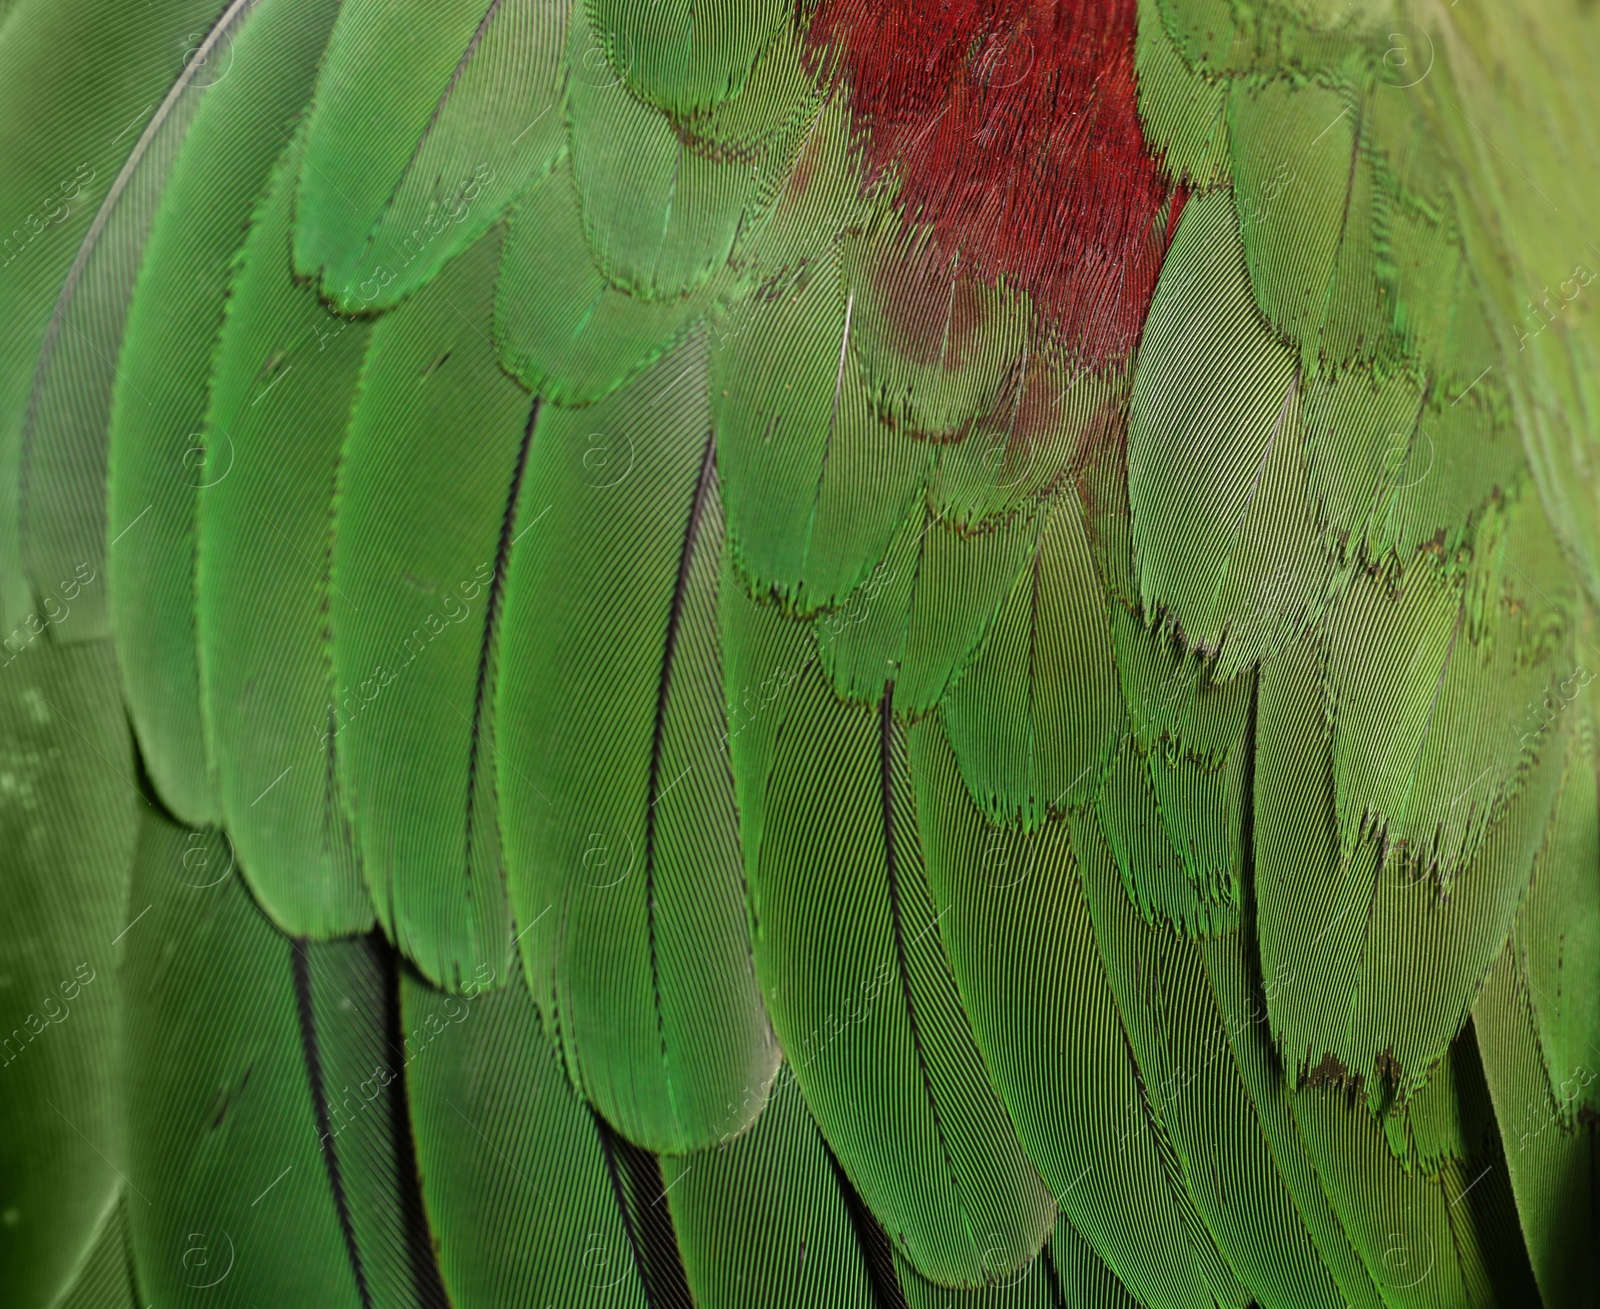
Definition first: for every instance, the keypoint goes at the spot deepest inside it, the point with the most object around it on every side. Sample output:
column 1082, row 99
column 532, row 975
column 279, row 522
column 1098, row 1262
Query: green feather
column 1491, row 106
column 622, row 846
column 420, row 537
column 923, row 613
column 1344, row 1004
column 1308, row 898
column 1205, row 33
column 1550, row 1158
column 228, row 1183
column 67, row 824
column 937, row 346
column 1183, row 1039
column 762, row 1219
column 1033, row 718
column 457, row 107
column 1190, row 736
column 857, row 981
column 1363, row 456
column 1032, row 1287
column 61, row 500
column 520, row 1179
column 1233, row 981
column 105, row 1276
column 363, row 1059
column 1419, row 1247
column 1430, row 686
column 1396, row 466
column 70, row 124
column 1356, row 324
column 815, row 484
column 1558, row 927
column 1048, row 421
column 157, row 444
column 561, row 328
column 284, row 380
column 817, row 200
column 1022, row 952
column 1222, row 531
column 1084, row 1281
column 1293, row 147
column 778, row 100
column 661, row 218
column 1159, row 879
column 682, row 56
column 1184, row 116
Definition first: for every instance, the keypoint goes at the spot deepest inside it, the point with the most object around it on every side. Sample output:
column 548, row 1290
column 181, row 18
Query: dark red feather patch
column 1012, row 129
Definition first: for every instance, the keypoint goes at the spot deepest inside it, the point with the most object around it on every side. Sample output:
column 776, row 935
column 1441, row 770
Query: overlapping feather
column 629, row 558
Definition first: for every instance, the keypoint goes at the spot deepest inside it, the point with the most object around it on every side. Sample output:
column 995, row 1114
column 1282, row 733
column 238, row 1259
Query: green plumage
column 1093, row 1145
column 520, row 1178
column 617, row 797
column 69, row 823
column 623, row 710
column 1035, row 718
column 883, row 1000
column 797, row 1243
column 415, row 618
column 264, row 485
column 465, row 101
column 217, row 1104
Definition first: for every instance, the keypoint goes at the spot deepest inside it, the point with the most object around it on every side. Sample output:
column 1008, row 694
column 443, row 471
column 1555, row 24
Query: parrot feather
column 105, row 1277
column 284, row 380
column 561, row 328
column 157, row 457
column 762, row 1216
column 416, row 618
column 56, row 171
column 1059, row 1031
column 876, row 1033
column 458, row 107
column 621, row 836
column 1034, row 717
column 61, row 502
column 229, row 1071
column 846, row 652
column 522, row 1182
column 797, row 438
column 68, row 821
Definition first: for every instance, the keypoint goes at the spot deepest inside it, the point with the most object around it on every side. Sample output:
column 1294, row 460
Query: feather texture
column 621, row 835
column 283, row 383
column 838, row 653
column 416, row 618
column 67, row 815
column 466, row 102
column 885, row 999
